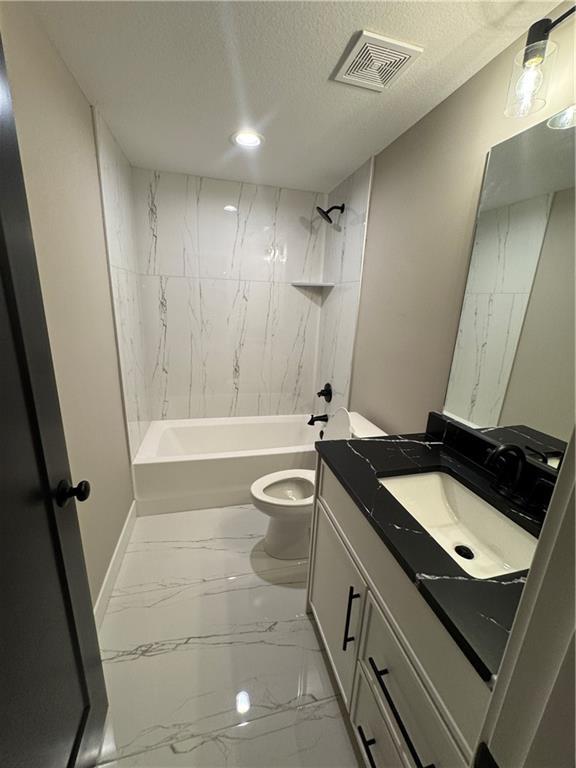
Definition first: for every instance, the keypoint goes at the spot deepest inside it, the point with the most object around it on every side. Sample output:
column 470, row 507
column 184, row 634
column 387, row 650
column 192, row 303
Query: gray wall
column 541, row 386
column 54, row 125
column 423, row 206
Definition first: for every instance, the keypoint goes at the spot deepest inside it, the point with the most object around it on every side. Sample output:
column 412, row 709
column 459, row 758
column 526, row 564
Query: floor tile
column 209, row 656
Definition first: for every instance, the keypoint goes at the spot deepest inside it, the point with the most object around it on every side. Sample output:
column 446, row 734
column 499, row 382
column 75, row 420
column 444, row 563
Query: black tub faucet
column 314, row 419
column 508, row 462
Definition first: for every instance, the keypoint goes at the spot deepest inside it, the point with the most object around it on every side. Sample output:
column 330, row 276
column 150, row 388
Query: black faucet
column 508, row 462
column 314, row 419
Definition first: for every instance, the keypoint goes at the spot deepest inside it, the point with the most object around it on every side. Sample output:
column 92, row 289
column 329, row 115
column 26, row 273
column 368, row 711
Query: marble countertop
column 478, row 613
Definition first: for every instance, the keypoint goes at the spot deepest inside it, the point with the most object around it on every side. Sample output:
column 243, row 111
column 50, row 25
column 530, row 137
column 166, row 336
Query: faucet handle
column 326, row 393
column 540, row 495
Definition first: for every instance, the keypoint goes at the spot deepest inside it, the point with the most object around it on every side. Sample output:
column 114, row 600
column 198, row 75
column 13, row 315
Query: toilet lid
column 338, row 426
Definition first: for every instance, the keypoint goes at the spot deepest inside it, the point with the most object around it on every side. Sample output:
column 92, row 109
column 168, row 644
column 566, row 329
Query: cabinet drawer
column 415, row 720
column 337, row 593
column 374, row 738
column 452, row 682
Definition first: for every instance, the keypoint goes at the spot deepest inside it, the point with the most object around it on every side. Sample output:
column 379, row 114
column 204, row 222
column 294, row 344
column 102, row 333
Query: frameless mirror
column 513, row 363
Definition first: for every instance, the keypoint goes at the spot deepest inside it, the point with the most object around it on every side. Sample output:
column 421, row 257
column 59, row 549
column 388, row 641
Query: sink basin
column 479, row 538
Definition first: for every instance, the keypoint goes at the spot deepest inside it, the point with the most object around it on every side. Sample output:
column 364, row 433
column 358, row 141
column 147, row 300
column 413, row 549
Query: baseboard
column 112, row 572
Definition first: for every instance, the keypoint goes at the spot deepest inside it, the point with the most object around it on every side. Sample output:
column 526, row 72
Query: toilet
column 287, row 496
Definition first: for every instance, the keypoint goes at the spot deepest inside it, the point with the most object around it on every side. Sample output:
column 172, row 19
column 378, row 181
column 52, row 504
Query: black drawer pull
column 379, row 674
column 367, row 744
column 349, row 638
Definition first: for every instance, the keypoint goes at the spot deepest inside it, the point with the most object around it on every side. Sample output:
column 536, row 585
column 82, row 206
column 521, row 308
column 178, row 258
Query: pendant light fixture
column 532, row 69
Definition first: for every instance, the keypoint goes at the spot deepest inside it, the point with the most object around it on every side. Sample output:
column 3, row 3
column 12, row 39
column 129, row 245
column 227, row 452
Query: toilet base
column 288, row 539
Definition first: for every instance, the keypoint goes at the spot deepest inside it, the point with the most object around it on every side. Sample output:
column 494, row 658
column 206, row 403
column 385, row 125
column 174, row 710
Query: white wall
column 54, row 125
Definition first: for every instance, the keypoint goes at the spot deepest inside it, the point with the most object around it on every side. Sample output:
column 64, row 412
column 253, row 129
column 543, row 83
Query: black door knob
column 66, row 491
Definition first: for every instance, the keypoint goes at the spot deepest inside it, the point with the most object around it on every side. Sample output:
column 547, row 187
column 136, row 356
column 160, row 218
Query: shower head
column 326, row 214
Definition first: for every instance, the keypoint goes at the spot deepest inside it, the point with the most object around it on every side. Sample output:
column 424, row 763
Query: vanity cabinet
column 406, row 683
column 336, row 598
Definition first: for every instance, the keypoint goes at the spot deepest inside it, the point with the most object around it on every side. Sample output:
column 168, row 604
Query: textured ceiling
column 175, row 79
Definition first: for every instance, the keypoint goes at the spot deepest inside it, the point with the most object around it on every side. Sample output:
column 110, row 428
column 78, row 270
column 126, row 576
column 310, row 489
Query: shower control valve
column 326, row 393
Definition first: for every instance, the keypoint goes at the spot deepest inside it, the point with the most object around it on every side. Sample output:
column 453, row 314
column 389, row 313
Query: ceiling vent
column 374, row 61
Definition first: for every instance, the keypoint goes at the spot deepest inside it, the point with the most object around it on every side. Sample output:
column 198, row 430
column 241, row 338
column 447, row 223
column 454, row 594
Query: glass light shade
column 530, row 79
column 564, row 119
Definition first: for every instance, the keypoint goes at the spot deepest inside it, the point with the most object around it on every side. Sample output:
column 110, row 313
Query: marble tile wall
column 226, row 334
column 116, row 186
column 343, row 266
column 208, row 322
column 504, row 259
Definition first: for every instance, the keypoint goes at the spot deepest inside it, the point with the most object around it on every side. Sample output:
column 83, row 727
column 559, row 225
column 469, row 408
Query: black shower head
column 326, row 214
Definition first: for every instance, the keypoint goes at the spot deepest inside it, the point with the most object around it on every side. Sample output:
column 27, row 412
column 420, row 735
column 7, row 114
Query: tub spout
column 314, row 419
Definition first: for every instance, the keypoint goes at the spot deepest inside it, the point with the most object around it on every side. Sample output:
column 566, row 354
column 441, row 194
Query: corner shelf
column 312, row 284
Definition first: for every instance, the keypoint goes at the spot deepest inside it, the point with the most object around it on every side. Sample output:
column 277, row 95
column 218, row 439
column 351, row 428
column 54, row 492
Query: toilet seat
column 258, row 488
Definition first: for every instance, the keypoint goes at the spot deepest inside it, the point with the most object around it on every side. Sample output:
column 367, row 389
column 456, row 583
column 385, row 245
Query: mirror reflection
column 513, row 362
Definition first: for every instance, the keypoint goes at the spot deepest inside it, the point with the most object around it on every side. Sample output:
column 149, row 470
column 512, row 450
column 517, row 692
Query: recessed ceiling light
column 249, row 139
column 230, row 208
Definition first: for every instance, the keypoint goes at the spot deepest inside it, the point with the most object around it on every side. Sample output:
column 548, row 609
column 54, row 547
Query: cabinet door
column 337, row 598
column 375, row 740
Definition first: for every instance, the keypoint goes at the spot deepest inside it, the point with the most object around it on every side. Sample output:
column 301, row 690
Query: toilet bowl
column 287, row 497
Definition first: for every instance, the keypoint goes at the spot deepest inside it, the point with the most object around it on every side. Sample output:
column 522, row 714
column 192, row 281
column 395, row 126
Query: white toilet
column 287, row 496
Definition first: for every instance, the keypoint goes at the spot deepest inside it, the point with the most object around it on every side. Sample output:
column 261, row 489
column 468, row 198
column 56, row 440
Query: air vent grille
column 375, row 62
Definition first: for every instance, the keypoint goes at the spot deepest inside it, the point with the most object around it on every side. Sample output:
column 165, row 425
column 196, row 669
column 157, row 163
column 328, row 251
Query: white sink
column 456, row 517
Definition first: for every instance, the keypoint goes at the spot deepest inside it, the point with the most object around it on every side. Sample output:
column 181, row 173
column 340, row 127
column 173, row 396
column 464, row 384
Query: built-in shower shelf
column 311, row 284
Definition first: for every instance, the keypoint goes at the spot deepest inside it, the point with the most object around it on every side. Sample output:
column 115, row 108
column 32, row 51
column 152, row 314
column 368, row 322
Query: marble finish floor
column 209, row 656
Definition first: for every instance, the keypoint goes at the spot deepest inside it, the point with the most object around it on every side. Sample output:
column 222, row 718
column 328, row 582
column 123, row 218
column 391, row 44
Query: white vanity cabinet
column 414, row 699
column 336, row 597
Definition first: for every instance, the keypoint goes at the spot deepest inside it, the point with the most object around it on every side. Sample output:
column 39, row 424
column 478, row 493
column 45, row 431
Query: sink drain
column 464, row 552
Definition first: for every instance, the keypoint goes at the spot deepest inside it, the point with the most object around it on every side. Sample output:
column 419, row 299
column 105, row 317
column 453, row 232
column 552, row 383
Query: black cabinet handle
column 349, row 638
column 379, row 674
column 367, row 744
column 66, row 491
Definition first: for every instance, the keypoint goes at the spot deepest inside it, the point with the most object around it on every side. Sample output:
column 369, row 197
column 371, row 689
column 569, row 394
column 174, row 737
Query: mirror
column 513, row 363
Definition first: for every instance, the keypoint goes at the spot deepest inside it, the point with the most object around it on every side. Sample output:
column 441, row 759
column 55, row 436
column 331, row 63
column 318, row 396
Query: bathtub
column 201, row 463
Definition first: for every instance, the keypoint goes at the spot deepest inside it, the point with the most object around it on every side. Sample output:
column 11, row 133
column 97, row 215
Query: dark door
column 52, row 694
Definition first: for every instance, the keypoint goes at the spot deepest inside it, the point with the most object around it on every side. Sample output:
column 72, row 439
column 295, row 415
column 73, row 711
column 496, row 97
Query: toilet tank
column 361, row 427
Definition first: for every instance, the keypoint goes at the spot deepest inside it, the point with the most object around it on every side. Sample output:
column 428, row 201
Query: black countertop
column 478, row 613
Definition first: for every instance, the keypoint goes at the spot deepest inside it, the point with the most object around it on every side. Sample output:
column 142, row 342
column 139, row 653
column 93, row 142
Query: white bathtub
column 195, row 463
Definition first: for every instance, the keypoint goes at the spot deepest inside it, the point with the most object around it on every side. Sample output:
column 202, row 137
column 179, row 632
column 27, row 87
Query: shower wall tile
column 208, row 322
column 343, row 266
column 116, row 185
column 338, row 323
column 345, row 240
column 507, row 247
column 489, row 331
column 504, row 259
column 226, row 333
column 228, row 347
column 184, row 230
